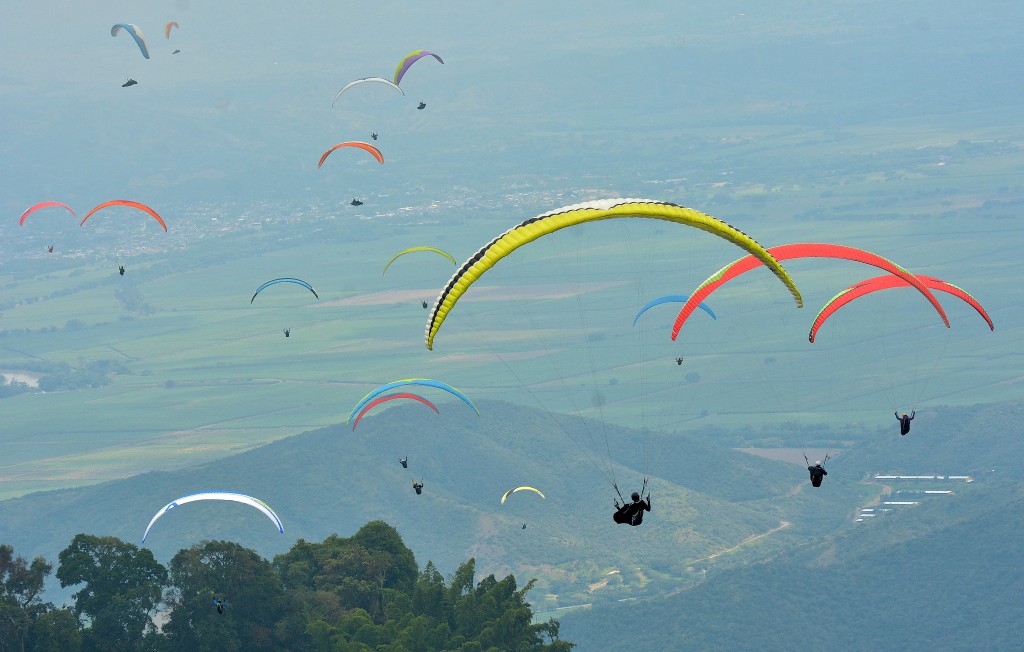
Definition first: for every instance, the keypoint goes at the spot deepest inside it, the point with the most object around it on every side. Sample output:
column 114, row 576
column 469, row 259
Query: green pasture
column 208, row 373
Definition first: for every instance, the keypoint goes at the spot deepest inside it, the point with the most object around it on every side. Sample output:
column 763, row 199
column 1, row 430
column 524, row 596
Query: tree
column 21, row 585
column 123, row 586
column 496, row 614
column 381, row 537
column 364, row 571
column 258, row 615
column 429, row 594
column 56, row 631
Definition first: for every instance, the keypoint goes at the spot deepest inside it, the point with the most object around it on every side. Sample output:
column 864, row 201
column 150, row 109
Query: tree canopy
column 359, row 593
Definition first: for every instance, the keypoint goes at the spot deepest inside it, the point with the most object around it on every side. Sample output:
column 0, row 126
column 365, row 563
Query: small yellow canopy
column 412, row 249
column 512, row 491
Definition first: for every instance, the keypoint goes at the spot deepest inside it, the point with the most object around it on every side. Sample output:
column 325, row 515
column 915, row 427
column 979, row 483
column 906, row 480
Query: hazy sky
column 247, row 101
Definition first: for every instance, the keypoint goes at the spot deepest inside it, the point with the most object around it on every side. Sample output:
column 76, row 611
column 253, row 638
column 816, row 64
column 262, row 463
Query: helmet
column 635, row 496
column 818, row 463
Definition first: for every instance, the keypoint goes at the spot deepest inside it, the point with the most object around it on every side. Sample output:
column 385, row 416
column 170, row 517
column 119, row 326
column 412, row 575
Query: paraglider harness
column 905, row 421
column 636, row 518
column 418, row 486
column 817, row 478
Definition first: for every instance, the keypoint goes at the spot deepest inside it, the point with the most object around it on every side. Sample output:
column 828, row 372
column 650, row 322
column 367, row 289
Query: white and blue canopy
column 217, row 495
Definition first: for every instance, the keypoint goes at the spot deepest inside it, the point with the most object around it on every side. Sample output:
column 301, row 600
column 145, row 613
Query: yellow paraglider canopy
column 606, row 209
column 412, row 249
column 512, row 491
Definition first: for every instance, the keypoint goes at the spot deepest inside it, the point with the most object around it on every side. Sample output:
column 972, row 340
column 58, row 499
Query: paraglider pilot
column 818, row 473
column 287, row 332
column 905, row 421
column 679, row 361
column 120, row 270
column 422, row 106
column 418, row 486
column 220, row 602
column 374, row 135
column 356, row 202
column 130, row 82
column 50, row 249
column 632, row 513
column 405, row 463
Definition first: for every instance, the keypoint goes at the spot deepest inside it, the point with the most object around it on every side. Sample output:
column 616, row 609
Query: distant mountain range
column 947, row 575
column 714, row 508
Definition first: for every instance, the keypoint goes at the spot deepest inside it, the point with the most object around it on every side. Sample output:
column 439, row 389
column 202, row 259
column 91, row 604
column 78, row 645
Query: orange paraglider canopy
column 129, row 203
column 367, row 146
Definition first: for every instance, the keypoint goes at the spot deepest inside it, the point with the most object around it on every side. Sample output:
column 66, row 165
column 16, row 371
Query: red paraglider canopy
column 45, row 204
column 391, row 397
column 367, row 146
column 129, row 203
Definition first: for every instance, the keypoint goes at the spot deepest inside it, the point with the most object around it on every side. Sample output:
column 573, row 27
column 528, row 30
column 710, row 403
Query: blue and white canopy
column 217, row 495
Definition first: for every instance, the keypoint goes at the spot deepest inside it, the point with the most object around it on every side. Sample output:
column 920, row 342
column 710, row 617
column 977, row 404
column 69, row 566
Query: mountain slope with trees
column 946, row 575
column 706, row 497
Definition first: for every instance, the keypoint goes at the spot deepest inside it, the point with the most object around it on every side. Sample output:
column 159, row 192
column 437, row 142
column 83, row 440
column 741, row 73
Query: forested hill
column 984, row 439
column 945, row 571
column 706, row 495
column 943, row 575
column 713, row 506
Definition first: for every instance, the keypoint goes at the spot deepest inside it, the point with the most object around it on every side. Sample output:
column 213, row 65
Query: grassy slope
column 937, row 575
column 946, row 571
column 707, row 498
